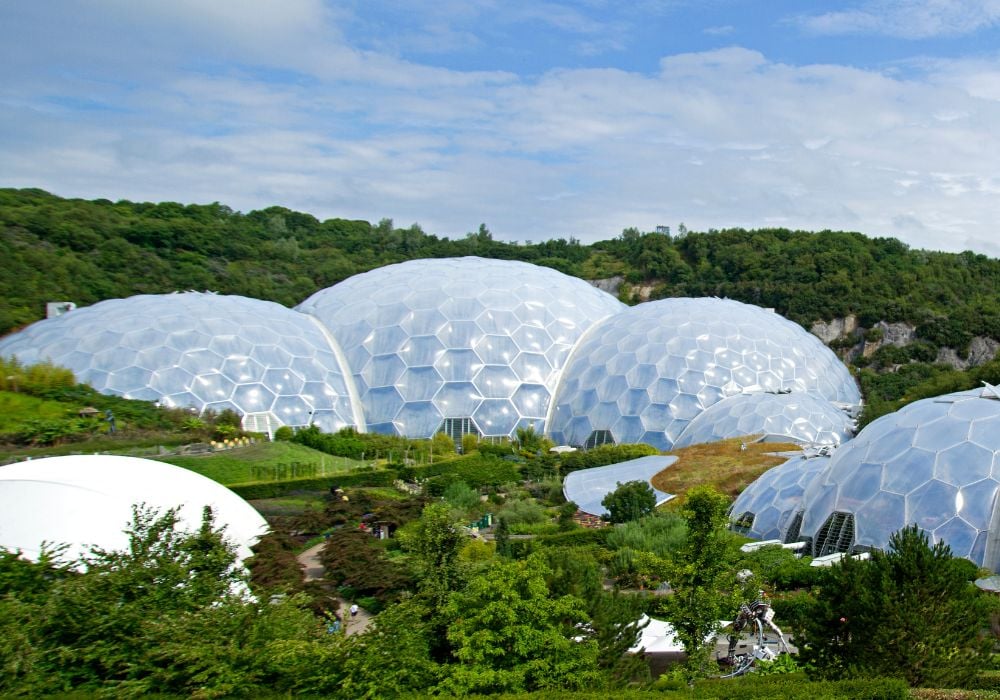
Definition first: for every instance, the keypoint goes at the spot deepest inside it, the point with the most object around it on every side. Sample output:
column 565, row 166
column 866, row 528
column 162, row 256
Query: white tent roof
column 86, row 500
column 658, row 637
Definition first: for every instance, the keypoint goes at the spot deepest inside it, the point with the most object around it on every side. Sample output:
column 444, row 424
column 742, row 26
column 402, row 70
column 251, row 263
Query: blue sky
column 541, row 119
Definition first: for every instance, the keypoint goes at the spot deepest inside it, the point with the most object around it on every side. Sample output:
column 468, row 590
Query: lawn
column 721, row 464
column 263, row 461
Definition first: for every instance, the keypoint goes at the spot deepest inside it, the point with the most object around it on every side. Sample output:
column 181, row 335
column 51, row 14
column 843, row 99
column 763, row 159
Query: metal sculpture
column 751, row 621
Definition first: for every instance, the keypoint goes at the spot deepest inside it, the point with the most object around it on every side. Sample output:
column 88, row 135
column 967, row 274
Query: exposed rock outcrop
column 828, row 331
column 611, row 285
column 981, row 351
column 852, row 341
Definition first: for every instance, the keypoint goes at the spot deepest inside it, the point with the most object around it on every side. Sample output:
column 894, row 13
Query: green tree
column 615, row 617
column 630, row 501
column 509, row 635
column 434, row 541
column 501, row 536
column 169, row 614
column 393, row 657
column 702, row 577
column 913, row 603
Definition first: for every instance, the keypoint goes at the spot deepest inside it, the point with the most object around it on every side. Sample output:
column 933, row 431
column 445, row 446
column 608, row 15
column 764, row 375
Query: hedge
column 604, row 455
column 746, row 688
column 793, row 687
column 796, row 687
column 273, row 489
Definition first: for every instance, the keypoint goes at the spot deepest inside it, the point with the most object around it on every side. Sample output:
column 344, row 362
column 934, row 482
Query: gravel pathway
column 312, row 569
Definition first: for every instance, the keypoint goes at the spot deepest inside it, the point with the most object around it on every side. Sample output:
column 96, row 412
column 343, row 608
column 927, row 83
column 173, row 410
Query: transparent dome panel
column 482, row 312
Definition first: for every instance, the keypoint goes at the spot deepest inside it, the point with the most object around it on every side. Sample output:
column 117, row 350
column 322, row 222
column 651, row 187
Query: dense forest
column 85, row 251
column 57, row 249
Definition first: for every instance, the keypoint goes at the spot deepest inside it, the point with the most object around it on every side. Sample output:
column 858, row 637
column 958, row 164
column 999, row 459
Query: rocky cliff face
column 829, row 331
column 613, row 285
column 981, row 351
column 850, row 340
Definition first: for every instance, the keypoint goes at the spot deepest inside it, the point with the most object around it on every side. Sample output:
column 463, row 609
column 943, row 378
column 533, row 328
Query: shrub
column 660, row 534
column 518, row 512
column 794, row 687
column 781, row 569
column 470, row 443
column 604, row 455
column 459, row 495
column 284, row 433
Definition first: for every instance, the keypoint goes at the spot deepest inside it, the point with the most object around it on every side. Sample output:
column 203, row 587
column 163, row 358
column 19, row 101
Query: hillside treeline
column 86, row 251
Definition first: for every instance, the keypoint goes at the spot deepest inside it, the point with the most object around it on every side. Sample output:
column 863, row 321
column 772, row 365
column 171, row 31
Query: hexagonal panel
column 703, row 350
column 457, row 399
column 496, row 417
column 927, row 458
column 154, row 346
column 496, row 382
column 419, row 384
column 242, row 369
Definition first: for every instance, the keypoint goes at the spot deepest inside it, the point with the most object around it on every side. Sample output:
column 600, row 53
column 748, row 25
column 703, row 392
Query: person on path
column 354, row 610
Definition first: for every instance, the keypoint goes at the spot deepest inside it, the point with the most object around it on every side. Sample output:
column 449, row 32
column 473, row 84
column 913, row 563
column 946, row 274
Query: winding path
column 312, row 569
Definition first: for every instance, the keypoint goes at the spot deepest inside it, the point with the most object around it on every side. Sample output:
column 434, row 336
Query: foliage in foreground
column 170, row 614
column 910, row 612
column 705, row 588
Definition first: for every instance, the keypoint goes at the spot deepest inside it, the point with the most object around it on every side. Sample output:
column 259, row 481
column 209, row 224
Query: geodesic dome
column 86, row 500
column 767, row 508
column 199, row 350
column 459, row 344
column 645, row 373
column 934, row 463
column 800, row 418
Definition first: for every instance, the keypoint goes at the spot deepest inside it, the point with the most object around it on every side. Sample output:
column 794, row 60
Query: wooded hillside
column 85, row 251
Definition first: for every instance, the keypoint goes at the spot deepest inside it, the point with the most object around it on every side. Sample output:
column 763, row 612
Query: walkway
column 312, row 569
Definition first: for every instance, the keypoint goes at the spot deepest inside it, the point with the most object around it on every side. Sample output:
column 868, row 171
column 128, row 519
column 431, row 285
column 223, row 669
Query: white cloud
column 908, row 19
column 714, row 139
column 719, row 30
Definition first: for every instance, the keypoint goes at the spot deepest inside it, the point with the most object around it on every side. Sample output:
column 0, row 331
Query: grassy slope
column 16, row 408
column 236, row 466
column 721, row 464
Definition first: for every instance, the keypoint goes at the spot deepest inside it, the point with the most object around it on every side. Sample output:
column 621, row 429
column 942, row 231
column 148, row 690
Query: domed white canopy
column 86, row 500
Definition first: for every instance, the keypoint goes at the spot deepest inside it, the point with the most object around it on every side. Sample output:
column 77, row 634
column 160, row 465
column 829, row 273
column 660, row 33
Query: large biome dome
column 459, row 344
column 770, row 507
column 86, row 500
column 798, row 417
column 199, row 350
column 934, row 463
column 645, row 373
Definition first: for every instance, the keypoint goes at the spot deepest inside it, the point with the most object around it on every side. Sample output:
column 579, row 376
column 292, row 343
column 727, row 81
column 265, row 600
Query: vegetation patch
column 265, row 461
column 724, row 464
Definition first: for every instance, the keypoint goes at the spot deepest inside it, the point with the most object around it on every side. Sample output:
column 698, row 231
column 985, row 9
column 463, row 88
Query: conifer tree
column 910, row 612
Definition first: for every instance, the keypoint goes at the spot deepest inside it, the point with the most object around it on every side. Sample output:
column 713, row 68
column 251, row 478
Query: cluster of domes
column 460, row 345
column 646, row 373
column 934, row 463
